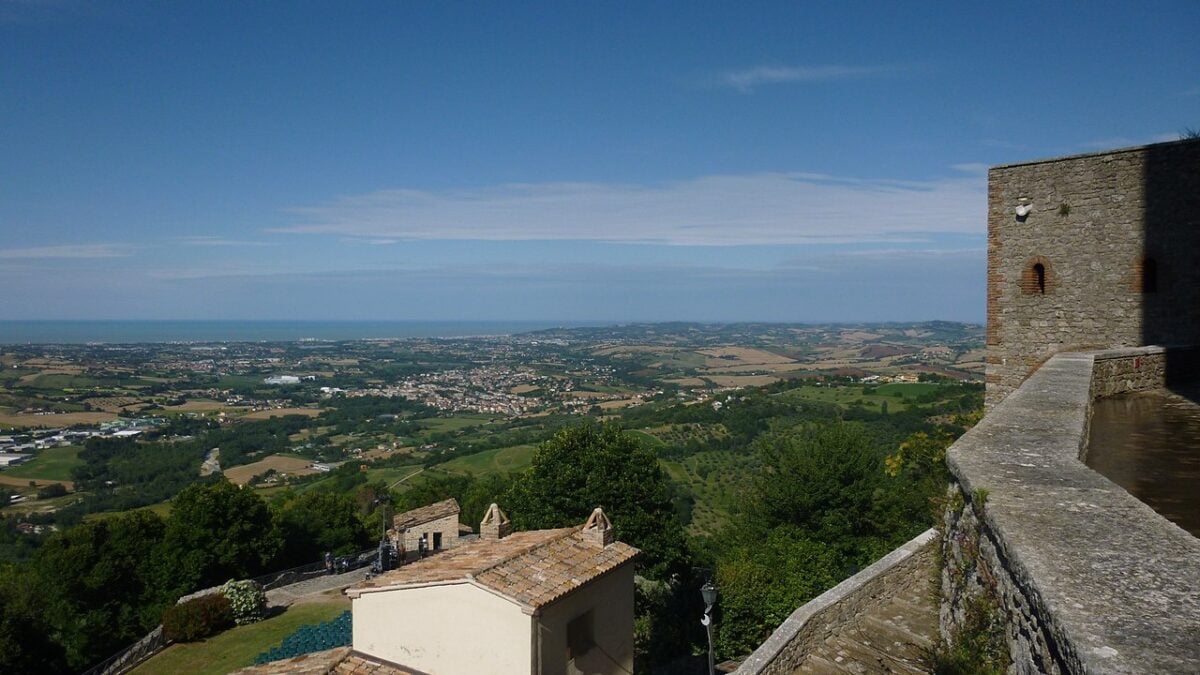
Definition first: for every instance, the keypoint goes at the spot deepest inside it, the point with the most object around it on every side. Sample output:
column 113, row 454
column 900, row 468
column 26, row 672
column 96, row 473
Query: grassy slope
column 49, row 464
column 236, row 648
column 500, row 460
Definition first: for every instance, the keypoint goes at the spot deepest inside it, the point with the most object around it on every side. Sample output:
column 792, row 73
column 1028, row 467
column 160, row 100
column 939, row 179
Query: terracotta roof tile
column 424, row 514
column 340, row 661
column 533, row 568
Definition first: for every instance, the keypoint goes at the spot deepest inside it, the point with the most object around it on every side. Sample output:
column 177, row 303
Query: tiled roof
column 442, row 509
column 549, row 572
column 533, row 568
column 340, row 661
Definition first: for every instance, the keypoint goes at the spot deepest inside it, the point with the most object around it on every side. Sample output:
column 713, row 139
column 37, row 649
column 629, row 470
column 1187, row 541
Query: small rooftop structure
column 437, row 524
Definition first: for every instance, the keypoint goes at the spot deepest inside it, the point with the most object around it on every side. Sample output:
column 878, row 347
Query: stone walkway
column 287, row 595
column 889, row 638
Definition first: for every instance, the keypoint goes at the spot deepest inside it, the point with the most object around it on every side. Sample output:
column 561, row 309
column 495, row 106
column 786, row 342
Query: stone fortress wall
column 1087, row 578
column 1091, row 252
column 1091, row 269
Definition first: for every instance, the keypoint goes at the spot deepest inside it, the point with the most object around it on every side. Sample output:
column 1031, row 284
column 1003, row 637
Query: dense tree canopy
column 594, row 465
column 316, row 522
column 829, row 501
column 218, row 532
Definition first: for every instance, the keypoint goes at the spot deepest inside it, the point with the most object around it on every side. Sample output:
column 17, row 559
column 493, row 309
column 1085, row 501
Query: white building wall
column 455, row 629
column 610, row 598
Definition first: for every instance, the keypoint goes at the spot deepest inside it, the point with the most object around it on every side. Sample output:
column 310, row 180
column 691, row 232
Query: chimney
column 495, row 525
column 598, row 529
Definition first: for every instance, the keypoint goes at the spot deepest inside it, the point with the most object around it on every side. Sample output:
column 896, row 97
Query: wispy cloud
column 747, row 79
column 757, row 209
column 68, row 251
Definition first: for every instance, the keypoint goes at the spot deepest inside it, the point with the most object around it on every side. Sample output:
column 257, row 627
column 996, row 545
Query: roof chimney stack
column 495, row 525
column 598, row 529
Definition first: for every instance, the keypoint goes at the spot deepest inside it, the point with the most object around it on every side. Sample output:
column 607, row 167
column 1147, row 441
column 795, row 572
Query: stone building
column 437, row 523
column 1091, row 252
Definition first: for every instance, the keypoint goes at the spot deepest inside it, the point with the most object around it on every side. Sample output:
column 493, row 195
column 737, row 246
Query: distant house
column 437, row 523
column 546, row 602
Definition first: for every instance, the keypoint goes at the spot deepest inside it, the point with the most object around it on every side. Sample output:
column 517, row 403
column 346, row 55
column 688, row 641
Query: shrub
column 52, row 490
column 198, row 618
column 246, row 600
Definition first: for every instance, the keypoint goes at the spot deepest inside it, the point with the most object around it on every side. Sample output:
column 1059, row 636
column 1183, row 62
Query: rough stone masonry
column 1091, row 252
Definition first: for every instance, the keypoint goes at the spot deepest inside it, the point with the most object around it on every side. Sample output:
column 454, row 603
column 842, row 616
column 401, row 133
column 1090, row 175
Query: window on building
column 1037, row 277
column 580, row 638
column 437, row 541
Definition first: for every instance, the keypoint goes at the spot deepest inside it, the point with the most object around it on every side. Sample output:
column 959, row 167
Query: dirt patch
column 688, row 382
column 524, row 388
column 281, row 412
column 295, row 466
column 24, row 482
column 55, row 420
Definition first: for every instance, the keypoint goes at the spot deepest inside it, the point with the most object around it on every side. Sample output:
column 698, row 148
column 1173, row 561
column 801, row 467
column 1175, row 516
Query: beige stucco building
column 542, row 602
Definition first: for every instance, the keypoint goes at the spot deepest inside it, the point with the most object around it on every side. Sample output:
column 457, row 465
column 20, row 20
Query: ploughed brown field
column 240, row 475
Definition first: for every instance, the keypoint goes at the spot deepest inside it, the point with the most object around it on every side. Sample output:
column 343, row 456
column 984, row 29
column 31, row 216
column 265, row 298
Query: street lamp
column 709, row 592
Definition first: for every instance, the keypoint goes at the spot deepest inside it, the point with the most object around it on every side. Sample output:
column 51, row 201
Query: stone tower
column 1091, row 252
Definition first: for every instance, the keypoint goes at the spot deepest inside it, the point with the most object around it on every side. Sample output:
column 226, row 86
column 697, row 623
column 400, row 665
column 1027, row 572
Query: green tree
column 97, row 585
column 823, row 507
column 217, row 532
column 593, row 465
column 26, row 642
column 316, row 522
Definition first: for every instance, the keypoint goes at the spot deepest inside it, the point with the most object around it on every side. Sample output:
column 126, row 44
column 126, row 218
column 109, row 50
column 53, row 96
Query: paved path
column 287, row 595
column 889, row 638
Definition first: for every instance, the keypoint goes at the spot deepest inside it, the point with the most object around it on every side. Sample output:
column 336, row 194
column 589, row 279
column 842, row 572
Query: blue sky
column 551, row 161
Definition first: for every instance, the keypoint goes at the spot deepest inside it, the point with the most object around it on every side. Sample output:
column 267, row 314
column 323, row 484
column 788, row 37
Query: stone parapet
column 1088, row 578
column 821, row 617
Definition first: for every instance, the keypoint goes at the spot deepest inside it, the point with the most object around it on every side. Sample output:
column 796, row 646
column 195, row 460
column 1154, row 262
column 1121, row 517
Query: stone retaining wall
column 1088, row 578
column 822, row 616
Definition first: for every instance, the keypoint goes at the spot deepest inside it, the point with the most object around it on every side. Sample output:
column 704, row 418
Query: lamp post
column 709, row 592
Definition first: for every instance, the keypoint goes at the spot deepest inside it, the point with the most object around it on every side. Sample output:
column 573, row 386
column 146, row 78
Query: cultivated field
column 742, row 380
column 197, row 405
column 296, row 466
column 281, row 412
column 55, row 420
column 51, row 464
column 731, row 356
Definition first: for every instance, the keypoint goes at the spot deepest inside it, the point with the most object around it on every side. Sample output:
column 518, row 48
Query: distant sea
column 125, row 332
